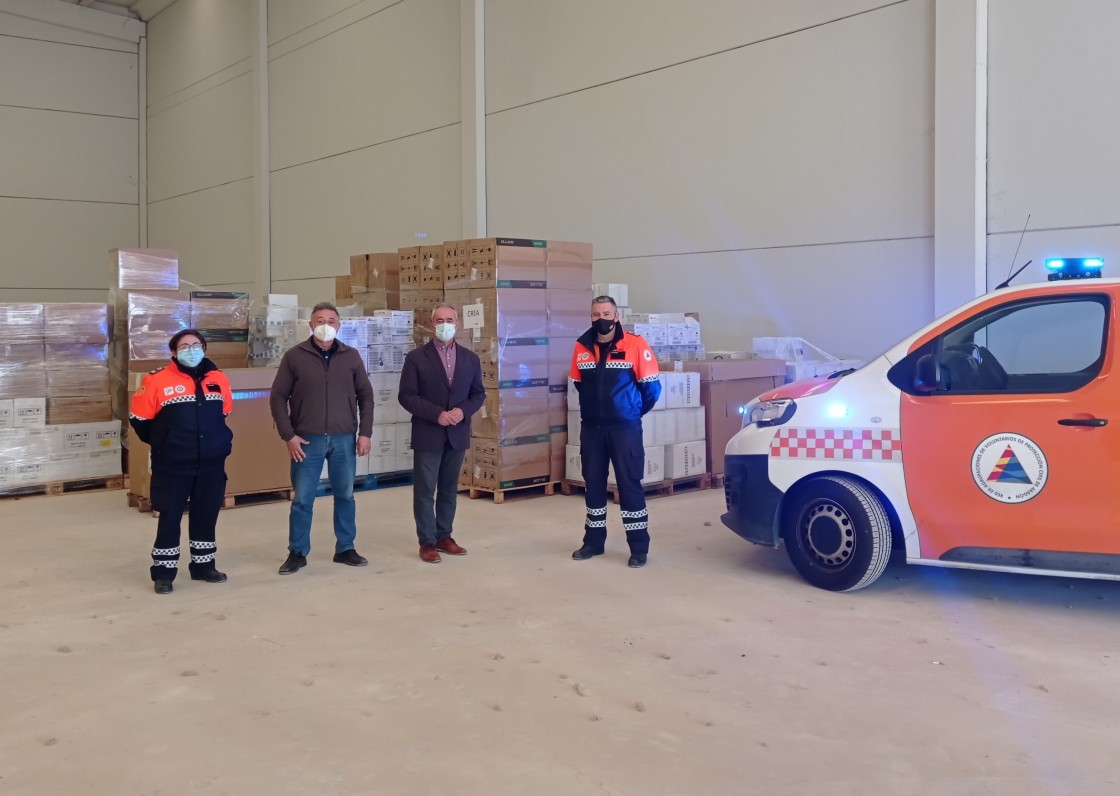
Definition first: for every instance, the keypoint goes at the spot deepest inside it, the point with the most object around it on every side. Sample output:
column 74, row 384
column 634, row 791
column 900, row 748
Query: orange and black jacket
column 617, row 382
column 181, row 413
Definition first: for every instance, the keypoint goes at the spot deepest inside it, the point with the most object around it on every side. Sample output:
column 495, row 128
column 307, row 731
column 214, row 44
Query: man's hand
column 456, row 415
column 444, row 419
column 295, row 448
column 363, row 446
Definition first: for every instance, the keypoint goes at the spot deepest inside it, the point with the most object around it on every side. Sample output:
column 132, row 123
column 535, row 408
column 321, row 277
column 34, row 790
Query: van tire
column 837, row 533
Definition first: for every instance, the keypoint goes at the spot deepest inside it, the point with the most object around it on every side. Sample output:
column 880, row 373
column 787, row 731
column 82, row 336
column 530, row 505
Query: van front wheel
column 837, row 533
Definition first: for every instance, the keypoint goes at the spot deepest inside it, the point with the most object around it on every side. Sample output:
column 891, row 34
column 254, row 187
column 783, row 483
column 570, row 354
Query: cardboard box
column 557, row 445
column 511, row 312
column 342, row 287
column 22, row 381
column 619, row 291
column 211, row 309
column 455, row 261
column 75, row 322
column 568, row 265
column 6, row 413
column 14, row 355
column 513, row 413
column 383, row 271
column 683, row 389
column 569, row 313
column 386, row 407
column 734, row 369
column 557, row 408
column 28, row 412
column 408, row 260
column 85, row 409
column 431, row 268
column 21, row 322
column 515, row 362
column 504, row 262
column 144, row 269
column 512, row 462
column 78, row 380
column 686, row 459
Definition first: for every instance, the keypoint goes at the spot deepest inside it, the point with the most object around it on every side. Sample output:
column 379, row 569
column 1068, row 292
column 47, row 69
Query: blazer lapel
column 437, row 362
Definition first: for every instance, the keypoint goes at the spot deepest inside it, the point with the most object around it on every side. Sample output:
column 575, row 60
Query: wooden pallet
column 144, row 504
column 538, row 490
column 654, row 489
column 64, row 487
column 372, row 481
column 717, row 480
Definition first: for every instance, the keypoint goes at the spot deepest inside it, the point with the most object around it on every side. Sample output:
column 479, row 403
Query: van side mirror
column 927, row 374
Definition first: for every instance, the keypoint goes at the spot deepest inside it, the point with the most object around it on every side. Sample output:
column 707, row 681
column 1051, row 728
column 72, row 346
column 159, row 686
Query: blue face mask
column 190, row 358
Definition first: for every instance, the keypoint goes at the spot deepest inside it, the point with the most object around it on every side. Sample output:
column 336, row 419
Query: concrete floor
column 515, row 670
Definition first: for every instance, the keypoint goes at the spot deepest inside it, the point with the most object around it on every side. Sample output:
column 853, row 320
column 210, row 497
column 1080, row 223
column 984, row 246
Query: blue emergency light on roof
column 1074, row 268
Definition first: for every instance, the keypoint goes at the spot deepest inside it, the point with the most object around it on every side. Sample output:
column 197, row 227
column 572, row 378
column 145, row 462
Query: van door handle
column 1094, row 422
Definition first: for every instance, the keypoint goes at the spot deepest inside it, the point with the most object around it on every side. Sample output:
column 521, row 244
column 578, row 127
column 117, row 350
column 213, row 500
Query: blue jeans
column 337, row 450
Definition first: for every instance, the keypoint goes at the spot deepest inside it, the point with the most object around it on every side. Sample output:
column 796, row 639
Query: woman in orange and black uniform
column 180, row 411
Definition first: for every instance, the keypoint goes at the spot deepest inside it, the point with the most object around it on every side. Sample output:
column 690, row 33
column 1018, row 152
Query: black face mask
column 602, row 326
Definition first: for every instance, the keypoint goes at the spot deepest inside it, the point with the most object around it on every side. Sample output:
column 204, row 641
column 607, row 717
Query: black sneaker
column 210, row 576
column 585, row 553
column 637, row 560
column 350, row 558
column 295, row 561
column 163, row 586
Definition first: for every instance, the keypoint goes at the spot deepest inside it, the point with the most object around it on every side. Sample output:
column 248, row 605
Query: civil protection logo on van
column 1009, row 468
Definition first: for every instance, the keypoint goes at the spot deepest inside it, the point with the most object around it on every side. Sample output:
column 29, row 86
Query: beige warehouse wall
column 201, row 140
column 69, row 161
column 364, row 118
column 766, row 163
column 758, row 162
column 1052, row 119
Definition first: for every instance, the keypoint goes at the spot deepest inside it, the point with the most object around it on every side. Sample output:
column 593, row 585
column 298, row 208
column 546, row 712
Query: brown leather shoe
column 429, row 554
column 448, row 546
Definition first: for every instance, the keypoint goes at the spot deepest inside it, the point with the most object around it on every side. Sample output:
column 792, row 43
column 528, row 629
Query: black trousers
column 170, row 494
column 622, row 447
column 435, row 491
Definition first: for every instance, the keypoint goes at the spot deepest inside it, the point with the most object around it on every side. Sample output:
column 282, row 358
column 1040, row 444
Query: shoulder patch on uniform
column 154, row 372
column 647, row 355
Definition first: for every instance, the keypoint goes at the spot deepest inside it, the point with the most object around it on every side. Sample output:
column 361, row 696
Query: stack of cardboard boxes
column 149, row 307
column 374, row 282
column 223, row 319
column 421, row 286
column 384, row 339
column 521, row 304
column 55, row 416
column 147, row 310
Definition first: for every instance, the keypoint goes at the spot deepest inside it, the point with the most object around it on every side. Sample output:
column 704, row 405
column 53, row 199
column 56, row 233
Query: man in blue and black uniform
column 616, row 376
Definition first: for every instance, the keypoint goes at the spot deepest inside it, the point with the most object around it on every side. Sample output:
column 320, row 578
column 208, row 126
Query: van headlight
column 768, row 413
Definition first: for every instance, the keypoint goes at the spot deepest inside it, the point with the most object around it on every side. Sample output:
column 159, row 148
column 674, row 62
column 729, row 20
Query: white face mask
column 325, row 333
column 445, row 331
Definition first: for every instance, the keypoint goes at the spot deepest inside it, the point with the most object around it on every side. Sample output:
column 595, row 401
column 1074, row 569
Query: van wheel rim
column 828, row 535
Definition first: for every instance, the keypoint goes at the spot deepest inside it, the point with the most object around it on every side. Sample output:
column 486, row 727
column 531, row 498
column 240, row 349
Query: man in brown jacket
column 321, row 398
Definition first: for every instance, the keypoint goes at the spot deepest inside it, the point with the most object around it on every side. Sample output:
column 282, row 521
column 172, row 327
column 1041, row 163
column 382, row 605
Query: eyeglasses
column 190, row 347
